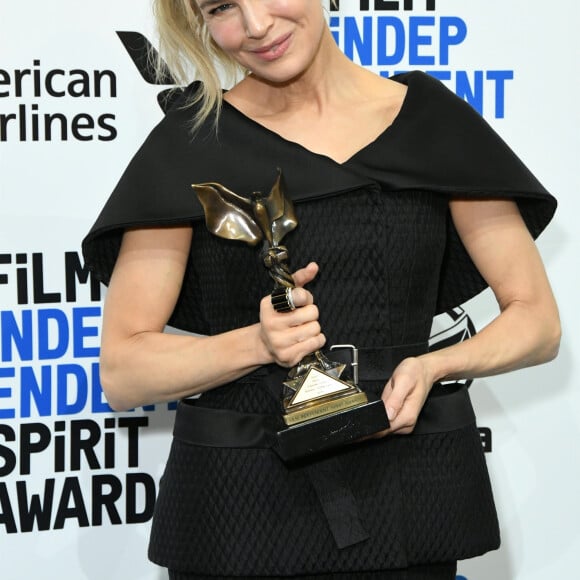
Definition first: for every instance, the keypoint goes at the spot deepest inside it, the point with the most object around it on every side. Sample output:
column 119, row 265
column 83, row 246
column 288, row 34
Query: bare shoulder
column 389, row 88
column 239, row 90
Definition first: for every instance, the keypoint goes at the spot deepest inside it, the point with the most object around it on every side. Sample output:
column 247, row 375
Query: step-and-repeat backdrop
column 77, row 481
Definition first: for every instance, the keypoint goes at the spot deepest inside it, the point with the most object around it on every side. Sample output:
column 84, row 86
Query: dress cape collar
column 437, row 143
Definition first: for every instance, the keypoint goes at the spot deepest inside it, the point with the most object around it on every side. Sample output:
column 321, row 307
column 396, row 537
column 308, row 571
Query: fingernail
column 391, row 413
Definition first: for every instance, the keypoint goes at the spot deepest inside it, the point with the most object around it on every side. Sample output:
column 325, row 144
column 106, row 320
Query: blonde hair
column 187, row 48
column 189, row 51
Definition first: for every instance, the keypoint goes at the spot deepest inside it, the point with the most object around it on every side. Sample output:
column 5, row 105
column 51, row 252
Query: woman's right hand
column 289, row 336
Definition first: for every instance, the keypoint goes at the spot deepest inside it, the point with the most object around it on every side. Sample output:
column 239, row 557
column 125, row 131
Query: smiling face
column 277, row 40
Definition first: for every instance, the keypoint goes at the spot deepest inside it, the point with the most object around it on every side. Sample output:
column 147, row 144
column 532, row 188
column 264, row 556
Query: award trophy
column 320, row 410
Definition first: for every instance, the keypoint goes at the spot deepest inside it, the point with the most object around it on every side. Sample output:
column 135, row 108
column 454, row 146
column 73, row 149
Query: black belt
column 447, row 408
column 374, row 364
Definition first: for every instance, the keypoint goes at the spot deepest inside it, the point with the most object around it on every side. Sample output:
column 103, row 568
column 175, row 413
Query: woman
column 407, row 205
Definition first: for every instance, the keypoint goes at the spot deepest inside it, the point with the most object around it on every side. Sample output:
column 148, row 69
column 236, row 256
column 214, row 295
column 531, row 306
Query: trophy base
column 327, row 406
column 333, row 430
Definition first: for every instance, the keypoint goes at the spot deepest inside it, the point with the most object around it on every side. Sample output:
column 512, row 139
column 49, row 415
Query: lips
column 275, row 49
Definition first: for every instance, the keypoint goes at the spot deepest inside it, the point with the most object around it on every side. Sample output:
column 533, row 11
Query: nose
column 257, row 18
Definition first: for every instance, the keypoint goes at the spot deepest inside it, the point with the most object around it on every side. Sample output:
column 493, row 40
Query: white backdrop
column 76, row 481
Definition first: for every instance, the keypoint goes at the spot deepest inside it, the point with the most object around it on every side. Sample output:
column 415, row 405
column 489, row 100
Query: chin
column 277, row 80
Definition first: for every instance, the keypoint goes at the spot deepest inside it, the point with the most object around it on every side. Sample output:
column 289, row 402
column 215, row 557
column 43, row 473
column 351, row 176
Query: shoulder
column 420, row 80
column 389, row 90
column 430, row 97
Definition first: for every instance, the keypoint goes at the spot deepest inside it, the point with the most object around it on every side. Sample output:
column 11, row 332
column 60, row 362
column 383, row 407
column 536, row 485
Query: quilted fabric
column 236, row 512
column 379, row 255
column 431, row 572
column 424, row 498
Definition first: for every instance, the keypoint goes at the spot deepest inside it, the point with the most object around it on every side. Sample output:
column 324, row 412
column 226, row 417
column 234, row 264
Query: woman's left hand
column 405, row 394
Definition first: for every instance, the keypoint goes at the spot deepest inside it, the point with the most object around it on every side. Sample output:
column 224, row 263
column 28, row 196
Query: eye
column 221, row 8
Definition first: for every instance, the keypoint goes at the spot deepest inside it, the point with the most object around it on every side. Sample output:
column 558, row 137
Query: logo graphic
column 450, row 328
column 144, row 55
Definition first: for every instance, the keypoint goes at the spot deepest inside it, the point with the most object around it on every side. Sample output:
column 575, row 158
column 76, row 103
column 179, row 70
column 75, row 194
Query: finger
column 301, row 297
column 295, row 338
column 303, row 332
column 405, row 421
column 306, row 274
column 283, row 320
column 292, row 355
column 394, row 396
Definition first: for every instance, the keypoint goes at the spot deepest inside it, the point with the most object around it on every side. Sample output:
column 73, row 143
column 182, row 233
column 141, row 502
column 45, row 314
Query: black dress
column 390, row 259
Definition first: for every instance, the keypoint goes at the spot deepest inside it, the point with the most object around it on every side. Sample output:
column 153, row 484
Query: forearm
column 522, row 335
column 152, row 367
